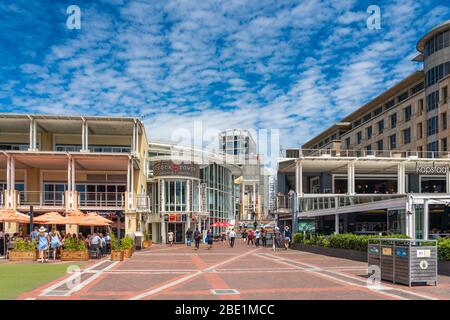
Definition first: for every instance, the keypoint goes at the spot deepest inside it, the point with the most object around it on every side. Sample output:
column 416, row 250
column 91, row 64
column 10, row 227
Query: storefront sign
column 424, row 253
column 400, row 252
column 171, row 217
column 183, row 217
column 170, row 168
column 427, row 169
column 386, row 251
column 178, row 217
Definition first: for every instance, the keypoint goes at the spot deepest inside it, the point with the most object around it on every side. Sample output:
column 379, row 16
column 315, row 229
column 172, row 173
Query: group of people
column 49, row 244
column 252, row 237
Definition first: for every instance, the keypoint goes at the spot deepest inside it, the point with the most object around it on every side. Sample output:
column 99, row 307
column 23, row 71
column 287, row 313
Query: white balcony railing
column 41, row 199
column 283, row 202
column 334, row 201
column 142, row 202
column 330, row 153
column 101, row 199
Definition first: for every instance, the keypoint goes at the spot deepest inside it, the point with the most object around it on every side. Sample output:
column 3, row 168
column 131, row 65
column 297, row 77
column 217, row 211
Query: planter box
column 146, row 244
column 128, row 253
column 117, row 255
column 68, row 255
column 332, row 252
column 22, row 255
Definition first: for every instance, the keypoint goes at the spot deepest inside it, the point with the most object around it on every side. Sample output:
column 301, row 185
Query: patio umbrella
column 95, row 220
column 74, row 217
column 13, row 216
column 51, row 218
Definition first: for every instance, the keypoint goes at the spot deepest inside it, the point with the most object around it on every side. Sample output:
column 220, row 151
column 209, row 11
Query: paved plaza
column 243, row 272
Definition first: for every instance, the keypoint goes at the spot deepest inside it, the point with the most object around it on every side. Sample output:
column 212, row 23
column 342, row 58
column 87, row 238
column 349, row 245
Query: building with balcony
column 66, row 163
column 385, row 167
column 189, row 188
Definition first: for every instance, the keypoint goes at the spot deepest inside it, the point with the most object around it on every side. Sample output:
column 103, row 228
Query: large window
column 175, row 195
column 432, row 100
column 393, row 120
column 407, row 136
column 381, row 127
column 393, row 142
column 432, row 126
column 437, row 42
column 407, row 113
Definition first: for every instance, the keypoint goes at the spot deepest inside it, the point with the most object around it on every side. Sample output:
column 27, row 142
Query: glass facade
column 219, row 187
column 437, row 42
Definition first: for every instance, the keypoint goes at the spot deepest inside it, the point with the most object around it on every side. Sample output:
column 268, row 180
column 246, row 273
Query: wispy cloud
column 297, row 66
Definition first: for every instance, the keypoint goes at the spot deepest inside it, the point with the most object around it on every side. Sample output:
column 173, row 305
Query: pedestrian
column 197, row 238
column 35, row 233
column 189, row 237
column 250, row 237
column 287, row 237
column 42, row 243
column 244, row 235
column 232, row 236
column 264, row 237
column 257, row 236
column 210, row 238
column 170, row 237
column 55, row 242
column 255, row 224
column 223, row 238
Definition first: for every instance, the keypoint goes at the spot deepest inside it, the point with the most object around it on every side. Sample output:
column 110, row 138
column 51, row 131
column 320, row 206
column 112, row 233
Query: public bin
column 138, row 238
column 404, row 261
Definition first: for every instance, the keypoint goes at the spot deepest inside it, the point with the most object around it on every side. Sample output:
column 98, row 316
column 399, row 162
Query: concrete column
column 426, row 219
column 447, row 180
column 84, row 136
column 336, row 224
column 133, row 142
column 32, row 142
column 163, row 232
column 299, row 178
column 188, row 194
column 351, row 178
column 69, row 175
column 401, row 178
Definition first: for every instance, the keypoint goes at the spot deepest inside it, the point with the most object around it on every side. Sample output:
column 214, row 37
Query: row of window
column 437, row 42
column 437, row 73
column 93, row 148
column 433, row 100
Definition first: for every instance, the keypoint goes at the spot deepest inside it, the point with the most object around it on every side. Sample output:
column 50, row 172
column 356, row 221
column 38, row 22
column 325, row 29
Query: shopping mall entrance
column 178, row 231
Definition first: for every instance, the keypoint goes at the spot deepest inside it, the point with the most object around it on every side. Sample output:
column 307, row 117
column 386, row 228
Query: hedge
column 359, row 242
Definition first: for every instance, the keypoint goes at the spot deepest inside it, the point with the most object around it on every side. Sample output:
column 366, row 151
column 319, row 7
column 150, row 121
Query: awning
column 138, row 234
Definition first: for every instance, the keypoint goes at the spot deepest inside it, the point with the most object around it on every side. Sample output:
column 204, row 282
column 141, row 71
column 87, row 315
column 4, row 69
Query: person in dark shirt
column 189, row 237
column 287, row 237
column 197, row 238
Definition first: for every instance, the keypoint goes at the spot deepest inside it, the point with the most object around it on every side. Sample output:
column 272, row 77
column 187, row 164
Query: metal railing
column 283, row 202
column 101, row 199
column 343, row 153
column 41, row 198
column 142, row 202
column 323, row 202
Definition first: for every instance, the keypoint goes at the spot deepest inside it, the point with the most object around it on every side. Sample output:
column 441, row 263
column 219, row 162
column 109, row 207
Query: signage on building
column 178, row 217
column 171, row 217
column 183, row 217
column 431, row 169
column 170, row 168
column 166, row 217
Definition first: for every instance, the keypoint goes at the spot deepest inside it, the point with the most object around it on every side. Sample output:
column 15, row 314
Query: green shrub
column 73, row 244
column 24, row 245
column 298, row 238
column 115, row 243
column 127, row 243
column 444, row 249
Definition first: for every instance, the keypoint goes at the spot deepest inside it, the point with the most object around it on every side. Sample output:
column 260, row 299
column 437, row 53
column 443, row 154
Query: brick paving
column 179, row 272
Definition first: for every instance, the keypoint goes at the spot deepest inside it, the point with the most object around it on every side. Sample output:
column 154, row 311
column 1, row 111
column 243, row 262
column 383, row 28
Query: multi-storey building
column 189, row 188
column 383, row 168
column 240, row 148
column 65, row 163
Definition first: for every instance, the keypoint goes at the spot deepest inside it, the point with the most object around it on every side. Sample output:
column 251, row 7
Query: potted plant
column 74, row 250
column 24, row 250
column 117, row 254
column 147, row 243
column 127, row 245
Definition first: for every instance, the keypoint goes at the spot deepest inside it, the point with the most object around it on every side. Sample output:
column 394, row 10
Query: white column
column 401, row 189
column 351, row 178
column 188, row 193
column 32, row 142
column 336, row 223
column 69, row 175
column 426, row 219
column 298, row 178
column 84, row 136
column 13, row 174
column 447, row 180
column 8, row 173
column 133, row 142
column 73, row 175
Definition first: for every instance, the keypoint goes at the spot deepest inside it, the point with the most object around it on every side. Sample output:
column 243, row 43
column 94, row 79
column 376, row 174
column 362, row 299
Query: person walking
column 197, row 238
column 170, row 238
column 223, row 238
column 189, row 237
column 210, row 238
column 287, row 237
column 250, row 237
column 244, row 235
column 257, row 237
column 264, row 237
column 42, row 243
column 232, row 236
column 55, row 242
column 35, row 233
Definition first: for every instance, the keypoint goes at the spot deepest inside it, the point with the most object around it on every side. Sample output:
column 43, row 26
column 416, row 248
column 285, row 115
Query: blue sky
column 297, row 66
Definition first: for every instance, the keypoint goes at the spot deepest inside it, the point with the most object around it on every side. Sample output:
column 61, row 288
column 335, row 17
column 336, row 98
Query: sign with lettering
column 431, row 169
column 424, row 253
column 386, row 251
column 170, row 168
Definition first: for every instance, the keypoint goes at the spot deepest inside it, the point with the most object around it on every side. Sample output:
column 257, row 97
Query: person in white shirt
column 232, row 236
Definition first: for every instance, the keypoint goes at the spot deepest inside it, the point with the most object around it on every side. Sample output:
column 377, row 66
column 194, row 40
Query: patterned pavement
column 221, row 273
